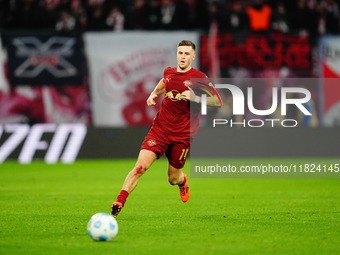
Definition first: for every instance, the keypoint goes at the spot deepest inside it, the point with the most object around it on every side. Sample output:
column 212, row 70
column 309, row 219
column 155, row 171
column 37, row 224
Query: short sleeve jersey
column 174, row 114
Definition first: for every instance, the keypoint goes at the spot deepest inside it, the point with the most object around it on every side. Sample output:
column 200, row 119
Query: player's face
column 185, row 56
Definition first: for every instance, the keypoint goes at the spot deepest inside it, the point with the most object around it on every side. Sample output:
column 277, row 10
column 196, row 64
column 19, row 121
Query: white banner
column 124, row 68
column 3, row 82
column 329, row 62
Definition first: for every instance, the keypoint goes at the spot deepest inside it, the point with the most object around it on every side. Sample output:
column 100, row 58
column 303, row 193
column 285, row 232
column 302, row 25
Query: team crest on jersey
column 187, row 83
column 152, row 143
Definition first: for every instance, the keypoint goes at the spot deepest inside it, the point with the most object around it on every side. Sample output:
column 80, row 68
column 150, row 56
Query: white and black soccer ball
column 102, row 227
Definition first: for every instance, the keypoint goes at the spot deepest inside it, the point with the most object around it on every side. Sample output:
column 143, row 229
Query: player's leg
column 153, row 147
column 177, row 177
column 144, row 161
column 177, row 155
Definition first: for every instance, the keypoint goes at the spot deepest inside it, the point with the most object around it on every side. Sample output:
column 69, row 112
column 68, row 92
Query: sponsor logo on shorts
column 151, row 143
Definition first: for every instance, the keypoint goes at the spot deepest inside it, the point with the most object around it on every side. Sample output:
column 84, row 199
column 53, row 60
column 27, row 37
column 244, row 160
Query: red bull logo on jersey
column 174, row 95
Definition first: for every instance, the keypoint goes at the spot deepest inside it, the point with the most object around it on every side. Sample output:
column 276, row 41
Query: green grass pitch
column 45, row 210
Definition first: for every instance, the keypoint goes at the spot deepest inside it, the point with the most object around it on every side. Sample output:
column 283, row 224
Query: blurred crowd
column 305, row 17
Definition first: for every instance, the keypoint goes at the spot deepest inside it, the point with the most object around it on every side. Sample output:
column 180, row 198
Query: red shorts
column 176, row 150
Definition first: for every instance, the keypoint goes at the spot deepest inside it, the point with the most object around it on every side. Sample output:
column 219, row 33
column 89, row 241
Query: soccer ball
column 102, row 227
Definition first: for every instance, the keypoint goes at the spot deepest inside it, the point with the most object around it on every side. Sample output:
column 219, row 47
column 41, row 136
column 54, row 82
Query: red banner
column 259, row 51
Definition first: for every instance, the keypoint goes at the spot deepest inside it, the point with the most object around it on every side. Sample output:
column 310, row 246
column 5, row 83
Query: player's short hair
column 187, row 43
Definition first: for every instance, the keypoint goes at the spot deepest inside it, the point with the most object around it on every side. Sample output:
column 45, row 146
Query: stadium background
column 95, row 62
column 74, row 76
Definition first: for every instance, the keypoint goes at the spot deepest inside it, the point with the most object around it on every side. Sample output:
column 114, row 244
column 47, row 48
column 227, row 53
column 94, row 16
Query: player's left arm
column 211, row 101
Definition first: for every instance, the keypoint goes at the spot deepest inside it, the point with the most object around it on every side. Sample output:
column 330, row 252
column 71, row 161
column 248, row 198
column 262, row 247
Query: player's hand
column 151, row 99
column 189, row 94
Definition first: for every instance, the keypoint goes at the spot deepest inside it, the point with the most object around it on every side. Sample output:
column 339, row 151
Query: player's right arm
column 159, row 89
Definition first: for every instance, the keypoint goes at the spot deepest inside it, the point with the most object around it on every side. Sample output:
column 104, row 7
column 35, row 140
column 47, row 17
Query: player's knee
column 140, row 169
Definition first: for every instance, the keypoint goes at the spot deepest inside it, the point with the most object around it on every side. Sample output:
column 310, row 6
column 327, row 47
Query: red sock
column 122, row 196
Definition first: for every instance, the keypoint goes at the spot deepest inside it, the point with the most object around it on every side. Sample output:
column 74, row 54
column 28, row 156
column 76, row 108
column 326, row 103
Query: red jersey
column 174, row 114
